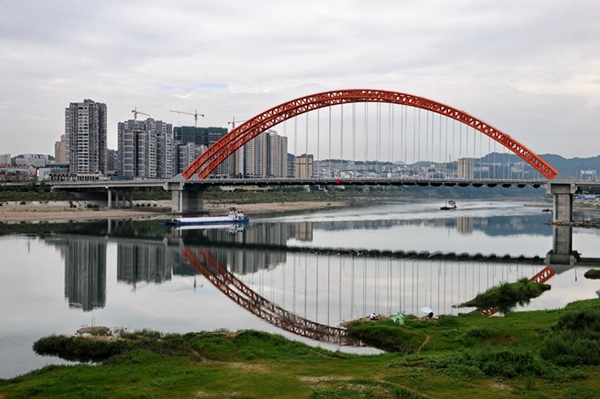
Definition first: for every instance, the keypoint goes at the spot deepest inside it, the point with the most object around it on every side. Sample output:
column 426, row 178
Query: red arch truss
column 232, row 141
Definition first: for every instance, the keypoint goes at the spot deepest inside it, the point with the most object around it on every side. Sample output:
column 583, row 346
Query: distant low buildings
column 589, row 174
column 36, row 160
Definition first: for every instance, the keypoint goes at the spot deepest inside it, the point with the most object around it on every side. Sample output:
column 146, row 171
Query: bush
column 386, row 335
column 575, row 339
column 592, row 274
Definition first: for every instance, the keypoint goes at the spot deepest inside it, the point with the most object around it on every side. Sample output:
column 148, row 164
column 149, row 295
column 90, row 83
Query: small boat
column 450, row 205
column 546, row 210
column 233, row 217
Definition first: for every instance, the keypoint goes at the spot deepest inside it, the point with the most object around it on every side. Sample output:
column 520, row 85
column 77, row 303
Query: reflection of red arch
column 228, row 144
column 244, row 296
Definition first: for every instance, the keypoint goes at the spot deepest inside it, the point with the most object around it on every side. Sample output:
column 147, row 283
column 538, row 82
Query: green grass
column 507, row 295
column 521, row 355
column 593, row 274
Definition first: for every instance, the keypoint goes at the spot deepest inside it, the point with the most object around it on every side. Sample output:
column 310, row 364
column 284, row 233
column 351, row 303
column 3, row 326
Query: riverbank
column 524, row 354
column 60, row 211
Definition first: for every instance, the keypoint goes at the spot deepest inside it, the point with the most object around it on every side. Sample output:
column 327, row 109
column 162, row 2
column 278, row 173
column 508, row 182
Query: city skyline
column 532, row 72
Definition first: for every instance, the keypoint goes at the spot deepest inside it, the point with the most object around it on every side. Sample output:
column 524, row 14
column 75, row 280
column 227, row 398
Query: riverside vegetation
column 43, row 192
column 536, row 354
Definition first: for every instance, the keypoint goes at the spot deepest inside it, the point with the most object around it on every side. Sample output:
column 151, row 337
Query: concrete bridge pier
column 562, row 191
column 186, row 199
column 123, row 198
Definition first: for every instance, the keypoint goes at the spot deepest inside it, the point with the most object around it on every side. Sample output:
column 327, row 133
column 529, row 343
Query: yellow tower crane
column 196, row 114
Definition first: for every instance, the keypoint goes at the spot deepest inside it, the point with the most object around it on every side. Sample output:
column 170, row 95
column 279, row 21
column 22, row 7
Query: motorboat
column 450, row 205
column 233, row 217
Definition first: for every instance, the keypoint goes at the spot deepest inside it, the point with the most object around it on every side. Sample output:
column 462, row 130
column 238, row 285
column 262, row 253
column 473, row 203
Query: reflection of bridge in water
column 226, row 282
column 304, row 289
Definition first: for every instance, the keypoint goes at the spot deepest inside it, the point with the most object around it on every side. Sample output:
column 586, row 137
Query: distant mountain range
column 572, row 167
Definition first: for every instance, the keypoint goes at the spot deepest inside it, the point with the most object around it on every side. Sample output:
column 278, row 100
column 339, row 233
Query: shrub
column 575, row 339
column 387, row 336
column 592, row 274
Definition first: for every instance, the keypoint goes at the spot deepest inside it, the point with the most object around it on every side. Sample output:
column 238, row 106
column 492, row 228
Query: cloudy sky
column 529, row 68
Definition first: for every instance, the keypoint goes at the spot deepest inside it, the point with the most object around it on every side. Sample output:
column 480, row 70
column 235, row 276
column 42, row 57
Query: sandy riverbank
column 14, row 212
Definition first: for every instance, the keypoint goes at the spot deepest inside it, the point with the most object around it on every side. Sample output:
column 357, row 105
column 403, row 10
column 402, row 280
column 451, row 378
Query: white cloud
column 240, row 59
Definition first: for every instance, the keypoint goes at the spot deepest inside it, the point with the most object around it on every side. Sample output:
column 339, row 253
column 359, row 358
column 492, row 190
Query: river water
column 283, row 274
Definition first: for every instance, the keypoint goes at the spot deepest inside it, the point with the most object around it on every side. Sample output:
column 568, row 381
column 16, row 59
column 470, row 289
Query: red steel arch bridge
column 362, row 145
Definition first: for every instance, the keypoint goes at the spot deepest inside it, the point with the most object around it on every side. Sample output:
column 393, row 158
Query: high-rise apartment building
column 466, row 168
column 265, row 156
column 304, row 166
column 60, row 150
column 145, row 149
column 86, row 138
column 185, row 154
column 204, row 137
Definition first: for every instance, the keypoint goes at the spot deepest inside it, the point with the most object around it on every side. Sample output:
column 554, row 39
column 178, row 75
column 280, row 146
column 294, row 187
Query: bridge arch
column 232, row 141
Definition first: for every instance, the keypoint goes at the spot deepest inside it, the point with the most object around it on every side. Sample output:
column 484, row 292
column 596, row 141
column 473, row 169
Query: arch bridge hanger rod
column 195, row 114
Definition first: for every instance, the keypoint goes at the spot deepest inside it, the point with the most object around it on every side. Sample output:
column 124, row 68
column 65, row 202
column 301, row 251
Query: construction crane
column 233, row 122
column 196, row 114
column 136, row 112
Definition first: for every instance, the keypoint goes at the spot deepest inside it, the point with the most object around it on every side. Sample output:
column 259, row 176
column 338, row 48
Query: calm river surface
column 323, row 268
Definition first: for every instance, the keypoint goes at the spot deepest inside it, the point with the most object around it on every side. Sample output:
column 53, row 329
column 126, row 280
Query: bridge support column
column 110, row 193
column 562, row 188
column 563, row 199
column 130, row 192
column 186, row 199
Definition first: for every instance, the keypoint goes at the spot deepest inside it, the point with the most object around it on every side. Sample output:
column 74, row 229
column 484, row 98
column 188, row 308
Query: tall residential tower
column 86, row 141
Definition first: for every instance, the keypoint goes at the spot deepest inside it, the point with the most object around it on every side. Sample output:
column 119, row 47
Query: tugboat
column 450, row 205
column 233, row 217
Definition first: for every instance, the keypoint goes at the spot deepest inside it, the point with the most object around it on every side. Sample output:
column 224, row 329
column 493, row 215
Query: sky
column 528, row 68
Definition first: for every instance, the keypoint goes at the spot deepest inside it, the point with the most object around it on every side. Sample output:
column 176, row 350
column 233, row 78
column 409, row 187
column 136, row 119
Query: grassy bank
column 539, row 354
column 507, row 296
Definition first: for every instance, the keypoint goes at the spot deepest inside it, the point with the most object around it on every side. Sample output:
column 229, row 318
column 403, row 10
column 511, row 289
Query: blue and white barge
column 233, row 217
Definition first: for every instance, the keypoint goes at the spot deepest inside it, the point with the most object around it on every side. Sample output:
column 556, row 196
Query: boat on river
column 450, row 205
column 234, row 217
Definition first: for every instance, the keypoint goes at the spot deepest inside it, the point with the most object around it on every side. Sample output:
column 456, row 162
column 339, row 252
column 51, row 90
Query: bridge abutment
column 186, row 199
